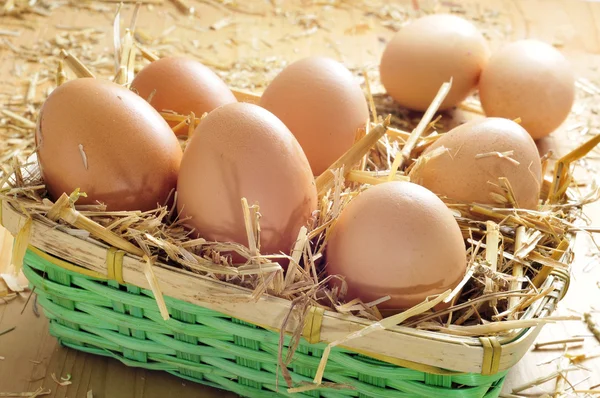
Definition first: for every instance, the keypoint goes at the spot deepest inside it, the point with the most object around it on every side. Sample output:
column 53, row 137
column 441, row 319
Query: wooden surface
column 29, row 356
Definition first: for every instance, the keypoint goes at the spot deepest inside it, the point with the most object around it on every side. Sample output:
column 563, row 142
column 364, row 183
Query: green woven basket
column 122, row 321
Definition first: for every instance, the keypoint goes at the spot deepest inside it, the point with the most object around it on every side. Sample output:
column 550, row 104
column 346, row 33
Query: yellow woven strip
column 561, row 273
column 312, row 325
column 114, row 264
column 315, row 334
column 488, row 355
column 1, row 208
column 110, row 263
column 405, row 364
column 118, row 264
column 564, row 275
column 496, row 355
column 66, row 265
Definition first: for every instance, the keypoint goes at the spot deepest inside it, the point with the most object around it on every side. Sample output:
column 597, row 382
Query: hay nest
column 510, row 251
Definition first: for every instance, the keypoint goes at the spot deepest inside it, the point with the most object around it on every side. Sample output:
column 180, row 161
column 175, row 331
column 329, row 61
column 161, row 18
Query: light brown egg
column 240, row 151
column 319, row 100
column 466, row 163
column 104, row 139
column 428, row 52
column 182, row 85
column 531, row 80
column 396, row 239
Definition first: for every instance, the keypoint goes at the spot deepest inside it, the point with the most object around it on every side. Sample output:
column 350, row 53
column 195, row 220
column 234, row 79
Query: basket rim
column 507, row 349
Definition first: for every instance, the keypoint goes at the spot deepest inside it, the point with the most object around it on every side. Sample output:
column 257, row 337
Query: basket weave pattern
column 208, row 347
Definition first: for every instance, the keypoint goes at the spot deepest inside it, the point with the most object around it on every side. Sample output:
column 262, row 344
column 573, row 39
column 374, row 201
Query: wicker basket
column 98, row 300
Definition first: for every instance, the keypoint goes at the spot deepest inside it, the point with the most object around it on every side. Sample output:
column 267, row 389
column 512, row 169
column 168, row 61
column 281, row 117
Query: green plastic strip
column 122, row 322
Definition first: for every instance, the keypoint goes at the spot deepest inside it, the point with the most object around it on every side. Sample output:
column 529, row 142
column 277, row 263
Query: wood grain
column 573, row 24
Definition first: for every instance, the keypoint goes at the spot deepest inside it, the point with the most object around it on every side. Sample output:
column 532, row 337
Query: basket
column 98, row 300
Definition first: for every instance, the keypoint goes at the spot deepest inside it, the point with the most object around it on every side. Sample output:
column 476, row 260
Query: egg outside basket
column 98, row 300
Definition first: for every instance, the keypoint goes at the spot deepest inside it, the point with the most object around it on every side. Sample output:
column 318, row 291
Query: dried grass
column 592, row 325
column 37, row 393
column 490, row 272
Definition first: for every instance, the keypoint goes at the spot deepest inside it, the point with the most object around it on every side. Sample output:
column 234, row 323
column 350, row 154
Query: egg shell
column 459, row 174
column 428, row 52
column 240, row 151
column 100, row 137
column 320, row 101
column 396, row 239
column 182, row 85
column 530, row 80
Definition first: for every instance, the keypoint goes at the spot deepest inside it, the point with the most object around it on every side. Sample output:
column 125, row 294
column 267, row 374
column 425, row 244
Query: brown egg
column 396, row 239
column 240, row 151
column 319, row 100
column 100, row 137
column 466, row 163
column 428, row 52
column 531, row 80
column 182, row 85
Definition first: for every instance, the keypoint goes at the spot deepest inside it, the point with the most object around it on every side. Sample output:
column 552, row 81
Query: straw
column 387, row 152
column 420, row 129
column 351, row 157
column 381, row 325
column 76, row 65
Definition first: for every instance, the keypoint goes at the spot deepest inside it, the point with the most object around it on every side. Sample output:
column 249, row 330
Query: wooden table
column 29, row 356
